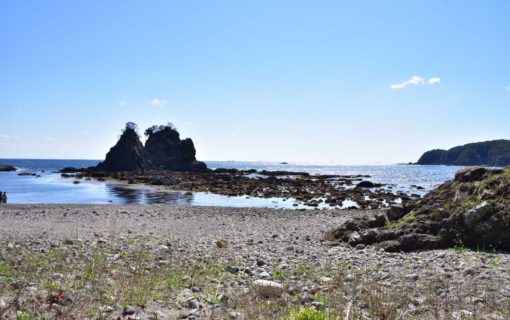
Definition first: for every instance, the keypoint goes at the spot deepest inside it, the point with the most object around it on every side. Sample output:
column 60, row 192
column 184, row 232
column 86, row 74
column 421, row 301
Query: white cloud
column 434, row 80
column 507, row 88
column 417, row 81
column 122, row 103
column 414, row 81
column 158, row 102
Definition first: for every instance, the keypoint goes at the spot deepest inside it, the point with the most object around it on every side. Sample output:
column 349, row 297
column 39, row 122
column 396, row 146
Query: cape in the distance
column 495, row 153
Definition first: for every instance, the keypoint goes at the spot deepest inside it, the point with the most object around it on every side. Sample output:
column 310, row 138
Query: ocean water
column 48, row 187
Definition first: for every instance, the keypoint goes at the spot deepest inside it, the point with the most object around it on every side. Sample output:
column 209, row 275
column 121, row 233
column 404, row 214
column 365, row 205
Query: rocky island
column 495, row 153
column 164, row 150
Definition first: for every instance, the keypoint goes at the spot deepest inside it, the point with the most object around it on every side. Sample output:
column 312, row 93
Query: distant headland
column 494, row 153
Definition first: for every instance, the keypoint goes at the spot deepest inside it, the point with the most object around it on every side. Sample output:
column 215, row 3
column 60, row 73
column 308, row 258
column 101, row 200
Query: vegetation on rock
column 473, row 210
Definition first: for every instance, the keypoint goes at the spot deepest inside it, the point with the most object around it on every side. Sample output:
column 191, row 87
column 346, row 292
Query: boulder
column 477, row 214
column 365, row 184
column 473, row 209
column 395, row 212
column 268, row 289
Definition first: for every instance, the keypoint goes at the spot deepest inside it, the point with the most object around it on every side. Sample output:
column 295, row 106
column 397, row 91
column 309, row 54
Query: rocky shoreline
column 171, row 262
column 470, row 210
column 334, row 191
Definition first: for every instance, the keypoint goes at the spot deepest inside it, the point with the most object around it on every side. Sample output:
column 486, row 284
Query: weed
column 311, row 314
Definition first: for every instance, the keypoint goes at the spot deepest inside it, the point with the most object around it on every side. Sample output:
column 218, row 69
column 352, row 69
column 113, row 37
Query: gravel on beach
column 244, row 246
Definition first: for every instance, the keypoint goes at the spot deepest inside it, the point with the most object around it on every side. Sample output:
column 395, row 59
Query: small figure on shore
column 3, row 197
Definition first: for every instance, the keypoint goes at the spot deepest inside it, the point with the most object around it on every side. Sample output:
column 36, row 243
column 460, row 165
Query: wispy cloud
column 122, row 103
column 416, row 81
column 507, row 88
column 159, row 102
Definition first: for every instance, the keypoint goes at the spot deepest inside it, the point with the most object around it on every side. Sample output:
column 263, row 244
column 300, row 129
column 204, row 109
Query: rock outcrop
column 472, row 210
column 128, row 154
column 164, row 150
column 4, row 167
column 168, row 152
column 489, row 153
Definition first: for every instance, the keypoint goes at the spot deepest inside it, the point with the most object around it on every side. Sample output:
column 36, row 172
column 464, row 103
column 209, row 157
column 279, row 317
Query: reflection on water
column 128, row 195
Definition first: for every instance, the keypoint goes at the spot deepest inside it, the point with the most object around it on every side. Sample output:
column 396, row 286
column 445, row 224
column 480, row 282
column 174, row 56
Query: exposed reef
column 489, row 153
column 472, row 210
column 332, row 191
column 6, row 168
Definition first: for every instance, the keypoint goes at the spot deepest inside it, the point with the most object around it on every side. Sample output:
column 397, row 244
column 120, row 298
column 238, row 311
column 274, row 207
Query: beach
column 192, row 262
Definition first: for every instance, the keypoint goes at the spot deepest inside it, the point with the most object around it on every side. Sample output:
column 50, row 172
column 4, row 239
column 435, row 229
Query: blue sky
column 348, row 82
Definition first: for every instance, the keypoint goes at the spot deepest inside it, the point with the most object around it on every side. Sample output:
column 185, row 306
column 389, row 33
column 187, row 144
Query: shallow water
column 49, row 187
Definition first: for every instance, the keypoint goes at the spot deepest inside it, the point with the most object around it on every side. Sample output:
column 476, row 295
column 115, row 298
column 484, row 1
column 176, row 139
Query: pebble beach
column 204, row 263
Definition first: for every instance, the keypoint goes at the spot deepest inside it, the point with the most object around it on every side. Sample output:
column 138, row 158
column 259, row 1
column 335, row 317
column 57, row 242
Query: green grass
column 308, row 313
column 401, row 222
column 277, row 273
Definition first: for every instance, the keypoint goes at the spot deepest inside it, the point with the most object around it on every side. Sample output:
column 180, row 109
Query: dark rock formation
column 128, row 154
column 4, row 167
column 164, row 150
column 365, row 184
column 489, row 153
column 168, row 152
column 472, row 210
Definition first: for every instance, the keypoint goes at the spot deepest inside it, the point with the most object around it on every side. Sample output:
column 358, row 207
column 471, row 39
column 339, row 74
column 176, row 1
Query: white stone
column 268, row 288
column 349, row 278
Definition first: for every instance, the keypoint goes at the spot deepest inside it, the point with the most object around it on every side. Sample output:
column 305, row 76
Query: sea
column 48, row 187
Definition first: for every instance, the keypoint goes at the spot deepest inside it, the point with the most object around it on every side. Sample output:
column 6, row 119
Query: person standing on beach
column 3, row 197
